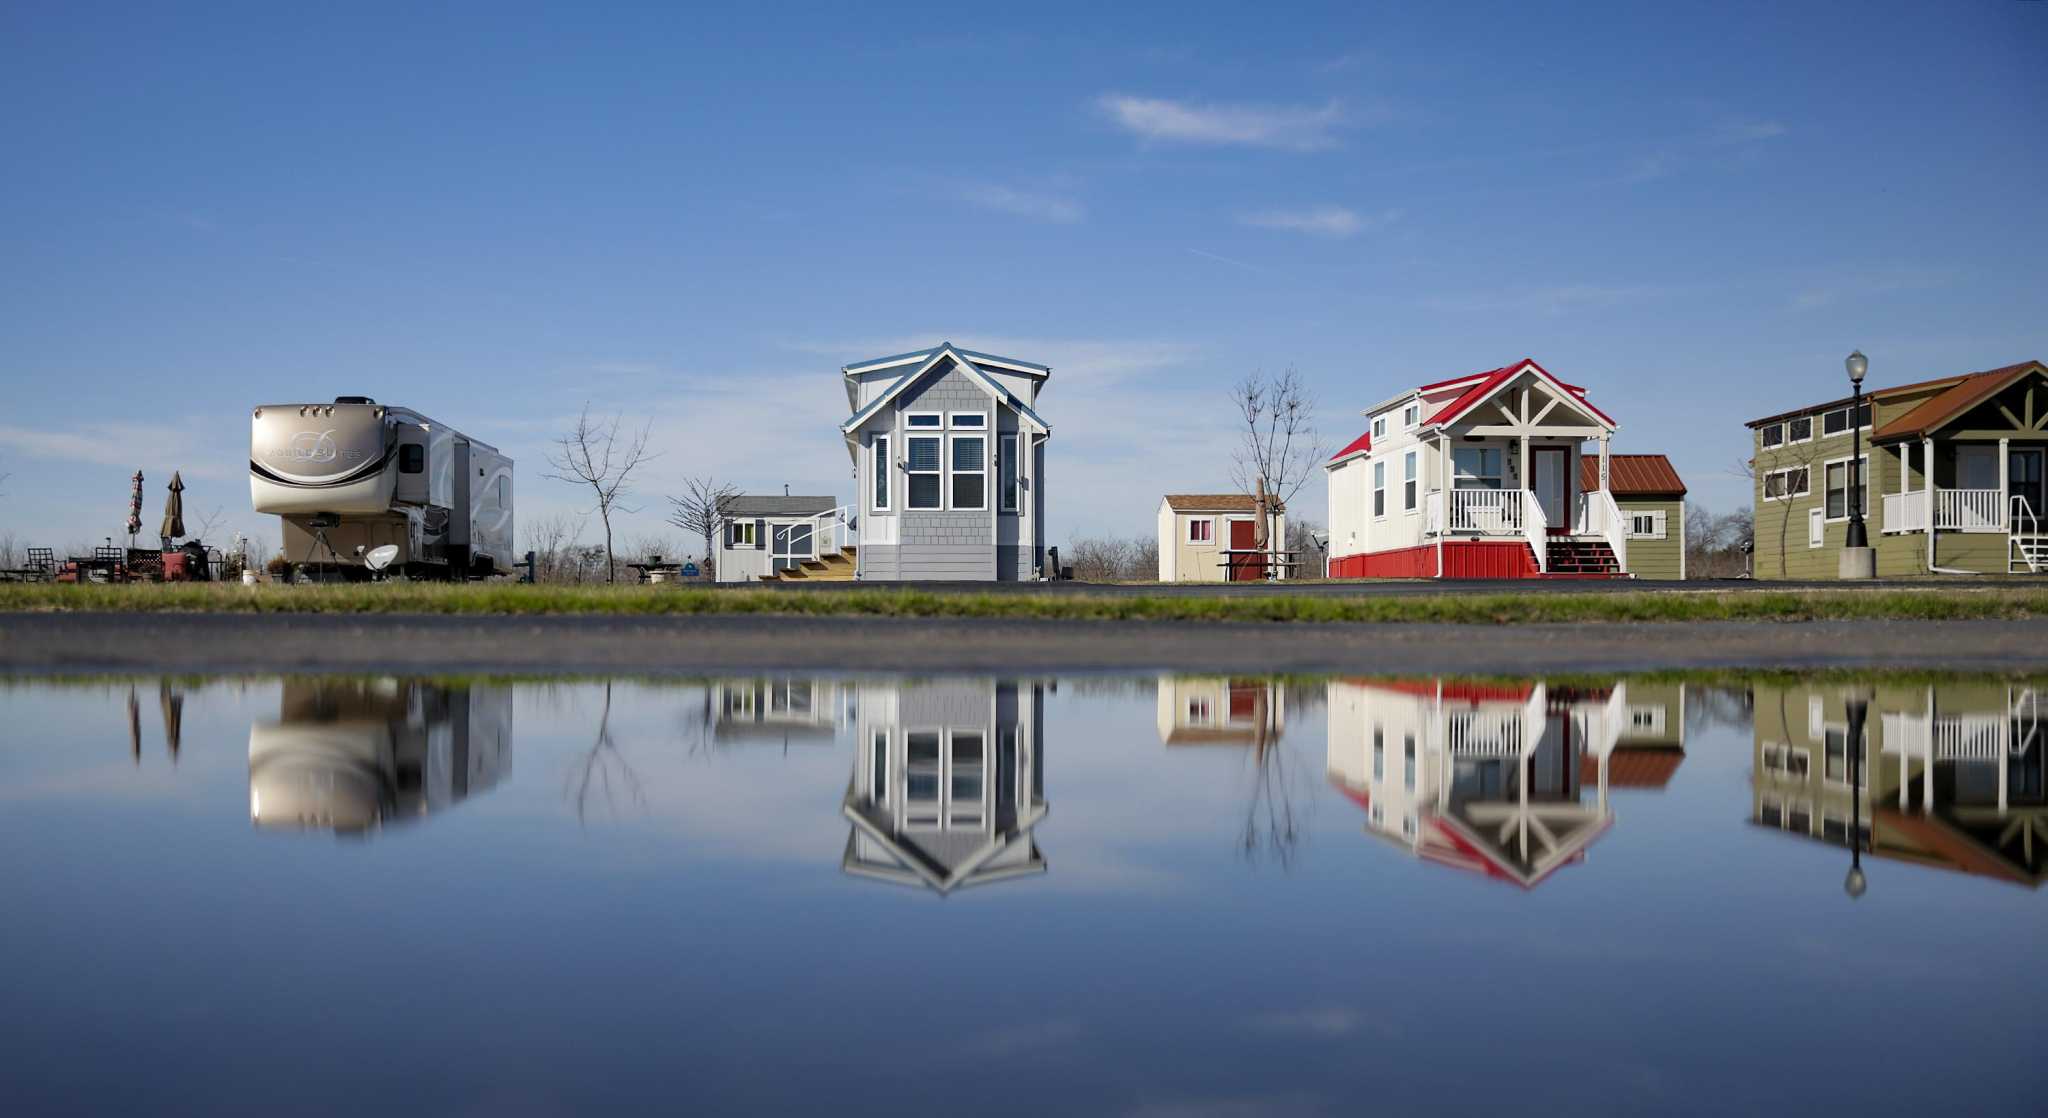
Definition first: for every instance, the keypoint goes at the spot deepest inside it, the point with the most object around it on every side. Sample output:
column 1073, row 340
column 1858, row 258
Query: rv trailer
column 354, row 475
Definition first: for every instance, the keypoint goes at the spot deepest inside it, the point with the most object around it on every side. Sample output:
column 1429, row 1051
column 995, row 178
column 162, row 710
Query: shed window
column 922, row 464
column 1202, row 530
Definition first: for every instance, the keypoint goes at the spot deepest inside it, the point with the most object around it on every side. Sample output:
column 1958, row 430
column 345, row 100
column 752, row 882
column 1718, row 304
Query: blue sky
column 495, row 213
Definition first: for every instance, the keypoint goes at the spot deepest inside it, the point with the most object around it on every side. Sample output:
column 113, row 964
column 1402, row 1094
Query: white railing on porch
column 1596, row 514
column 1494, row 512
column 1905, row 512
column 1969, row 510
column 1536, row 530
column 832, row 530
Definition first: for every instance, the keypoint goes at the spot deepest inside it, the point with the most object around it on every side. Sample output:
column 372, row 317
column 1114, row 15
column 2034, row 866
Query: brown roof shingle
column 1209, row 502
column 1953, row 402
column 1633, row 475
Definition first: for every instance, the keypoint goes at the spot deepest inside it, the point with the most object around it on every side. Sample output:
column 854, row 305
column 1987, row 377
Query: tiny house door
column 1548, row 464
column 1243, row 538
column 2025, row 480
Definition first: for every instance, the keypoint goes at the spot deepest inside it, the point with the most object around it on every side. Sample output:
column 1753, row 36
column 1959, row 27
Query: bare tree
column 701, row 508
column 593, row 454
column 1305, row 539
column 552, row 539
column 1795, row 462
column 207, row 522
column 1277, row 448
column 595, row 774
column 1108, row 559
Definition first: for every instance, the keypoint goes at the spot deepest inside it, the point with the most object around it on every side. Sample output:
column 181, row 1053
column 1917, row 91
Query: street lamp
column 1857, row 365
column 1859, row 712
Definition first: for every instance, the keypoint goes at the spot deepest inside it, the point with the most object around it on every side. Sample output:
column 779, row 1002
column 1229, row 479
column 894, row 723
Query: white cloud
column 1321, row 221
column 1865, row 282
column 171, row 445
column 1289, row 128
column 1547, row 299
column 1019, row 203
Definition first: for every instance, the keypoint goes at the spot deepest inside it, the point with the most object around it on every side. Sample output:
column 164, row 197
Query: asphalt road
column 1384, row 588
column 670, row 646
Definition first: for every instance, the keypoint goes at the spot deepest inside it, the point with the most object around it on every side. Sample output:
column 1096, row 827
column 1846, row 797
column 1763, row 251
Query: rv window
column 412, row 458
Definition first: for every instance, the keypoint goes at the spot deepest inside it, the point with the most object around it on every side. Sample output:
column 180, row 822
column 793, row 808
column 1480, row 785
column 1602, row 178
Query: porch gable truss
column 1521, row 407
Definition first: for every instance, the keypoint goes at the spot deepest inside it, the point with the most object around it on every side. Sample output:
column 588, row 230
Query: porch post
column 1526, row 480
column 1603, row 461
column 2004, row 488
column 1927, row 476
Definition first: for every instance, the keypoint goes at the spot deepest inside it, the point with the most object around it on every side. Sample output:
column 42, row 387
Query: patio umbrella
column 174, row 510
column 134, row 506
column 173, row 704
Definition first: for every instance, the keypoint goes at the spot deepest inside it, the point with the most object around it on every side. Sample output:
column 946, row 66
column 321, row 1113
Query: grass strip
column 1052, row 605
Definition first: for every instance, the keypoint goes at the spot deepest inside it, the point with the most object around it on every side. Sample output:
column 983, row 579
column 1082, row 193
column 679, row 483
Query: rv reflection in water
column 351, row 756
column 1951, row 775
column 1494, row 777
column 948, row 782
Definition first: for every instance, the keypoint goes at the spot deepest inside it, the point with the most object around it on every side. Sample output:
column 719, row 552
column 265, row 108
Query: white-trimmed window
column 1410, row 485
column 1200, row 713
column 740, row 533
column 1646, row 525
column 1379, row 490
column 970, row 472
column 1201, row 530
column 1411, row 415
column 1006, row 471
column 1379, row 427
column 1478, row 467
column 921, row 472
column 924, row 420
column 1799, row 430
column 1787, row 483
column 1379, row 753
column 1770, row 435
column 878, row 466
column 1408, row 761
column 1837, row 421
column 970, row 420
column 1837, row 475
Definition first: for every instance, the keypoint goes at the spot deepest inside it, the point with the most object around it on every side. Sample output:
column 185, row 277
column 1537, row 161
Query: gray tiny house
column 949, row 461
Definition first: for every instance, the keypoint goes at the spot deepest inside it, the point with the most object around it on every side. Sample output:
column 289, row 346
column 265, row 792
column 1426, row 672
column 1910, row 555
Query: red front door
column 1244, row 568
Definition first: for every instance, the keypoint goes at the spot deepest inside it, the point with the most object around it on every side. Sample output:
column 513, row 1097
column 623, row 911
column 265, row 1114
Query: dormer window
column 1379, row 427
column 1411, row 415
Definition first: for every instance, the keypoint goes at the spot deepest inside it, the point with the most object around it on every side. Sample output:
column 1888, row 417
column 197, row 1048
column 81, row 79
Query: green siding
column 1656, row 558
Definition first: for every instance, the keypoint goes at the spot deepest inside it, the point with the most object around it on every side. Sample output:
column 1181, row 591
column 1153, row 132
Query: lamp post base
column 1858, row 563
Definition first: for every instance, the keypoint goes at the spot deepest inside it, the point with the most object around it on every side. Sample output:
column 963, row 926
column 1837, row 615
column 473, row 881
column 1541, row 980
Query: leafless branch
column 594, row 454
column 701, row 508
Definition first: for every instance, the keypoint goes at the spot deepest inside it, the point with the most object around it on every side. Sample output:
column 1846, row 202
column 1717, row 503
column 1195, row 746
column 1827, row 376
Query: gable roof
column 1956, row 400
column 933, row 359
column 918, row 357
column 1633, row 475
column 1950, row 381
column 1360, row 445
column 1211, row 502
column 1487, row 383
column 749, row 504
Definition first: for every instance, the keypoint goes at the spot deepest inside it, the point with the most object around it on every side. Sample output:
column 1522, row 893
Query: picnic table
column 655, row 570
column 1266, row 561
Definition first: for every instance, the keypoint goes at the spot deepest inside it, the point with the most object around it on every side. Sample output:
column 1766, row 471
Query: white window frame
column 1459, row 476
column 1843, row 411
column 879, row 483
column 1816, row 527
column 1763, row 433
column 1643, row 525
column 1812, row 427
column 1208, row 522
column 1411, row 416
column 980, row 420
column 952, row 470
column 1379, row 427
column 1863, row 475
column 736, row 528
column 1788, row 495
column 910, row 472
column 1012, row 497
column 1201, row 712
column 1379, row 490
column 1411, row 482
column 938, row 418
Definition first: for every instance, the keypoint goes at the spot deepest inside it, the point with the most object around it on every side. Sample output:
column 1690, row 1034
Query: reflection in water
column 1250, row 713
column 777, row 711
column 351, row 755
column 948, row 782
column 1491, row 777
column 1951, row 775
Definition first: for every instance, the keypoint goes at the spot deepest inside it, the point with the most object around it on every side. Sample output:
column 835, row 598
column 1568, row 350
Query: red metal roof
column 1633, row 768
column 1954, row 402
column 1494, row 378
column 1633, row 475
column 1358, row 445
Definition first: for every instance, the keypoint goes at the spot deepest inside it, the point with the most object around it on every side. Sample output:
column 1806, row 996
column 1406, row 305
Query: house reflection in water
column 1510, row 780
column 1952, row 774
column 781, row 711
column 1198, row 710
column 948, row 782
column 352, row 755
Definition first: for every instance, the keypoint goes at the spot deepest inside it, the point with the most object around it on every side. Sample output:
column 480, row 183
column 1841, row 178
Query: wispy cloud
column 1285, row 127
column 1019, row 203
column 1232, row 262
column 173, row 444
column 1545, row 299
column 1321, row 221
column 1866, row 282
column 1723, row 137
column 1746, row 131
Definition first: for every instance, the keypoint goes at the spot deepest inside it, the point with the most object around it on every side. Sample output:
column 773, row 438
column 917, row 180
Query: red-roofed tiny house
column 1479, row 477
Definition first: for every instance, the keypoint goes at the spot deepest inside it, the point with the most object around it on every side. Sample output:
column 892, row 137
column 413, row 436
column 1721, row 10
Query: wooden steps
column 836, row 567
column 1567, row 557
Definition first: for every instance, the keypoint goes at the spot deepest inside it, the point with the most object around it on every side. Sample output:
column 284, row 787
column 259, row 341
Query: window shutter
column 760, row 534
column 1657, row 525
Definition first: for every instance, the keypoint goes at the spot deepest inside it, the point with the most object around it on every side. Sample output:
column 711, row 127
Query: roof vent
column 353, row 400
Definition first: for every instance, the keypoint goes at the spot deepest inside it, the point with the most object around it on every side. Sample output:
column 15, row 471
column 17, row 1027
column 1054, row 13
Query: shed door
column 1243, row 567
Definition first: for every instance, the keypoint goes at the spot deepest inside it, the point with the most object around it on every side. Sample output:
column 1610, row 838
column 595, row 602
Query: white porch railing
column 1598, row 515
column 1905, row 512
column 1969, row 510
column 832, row 530
column 1491, row 512
column 1536, row 530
